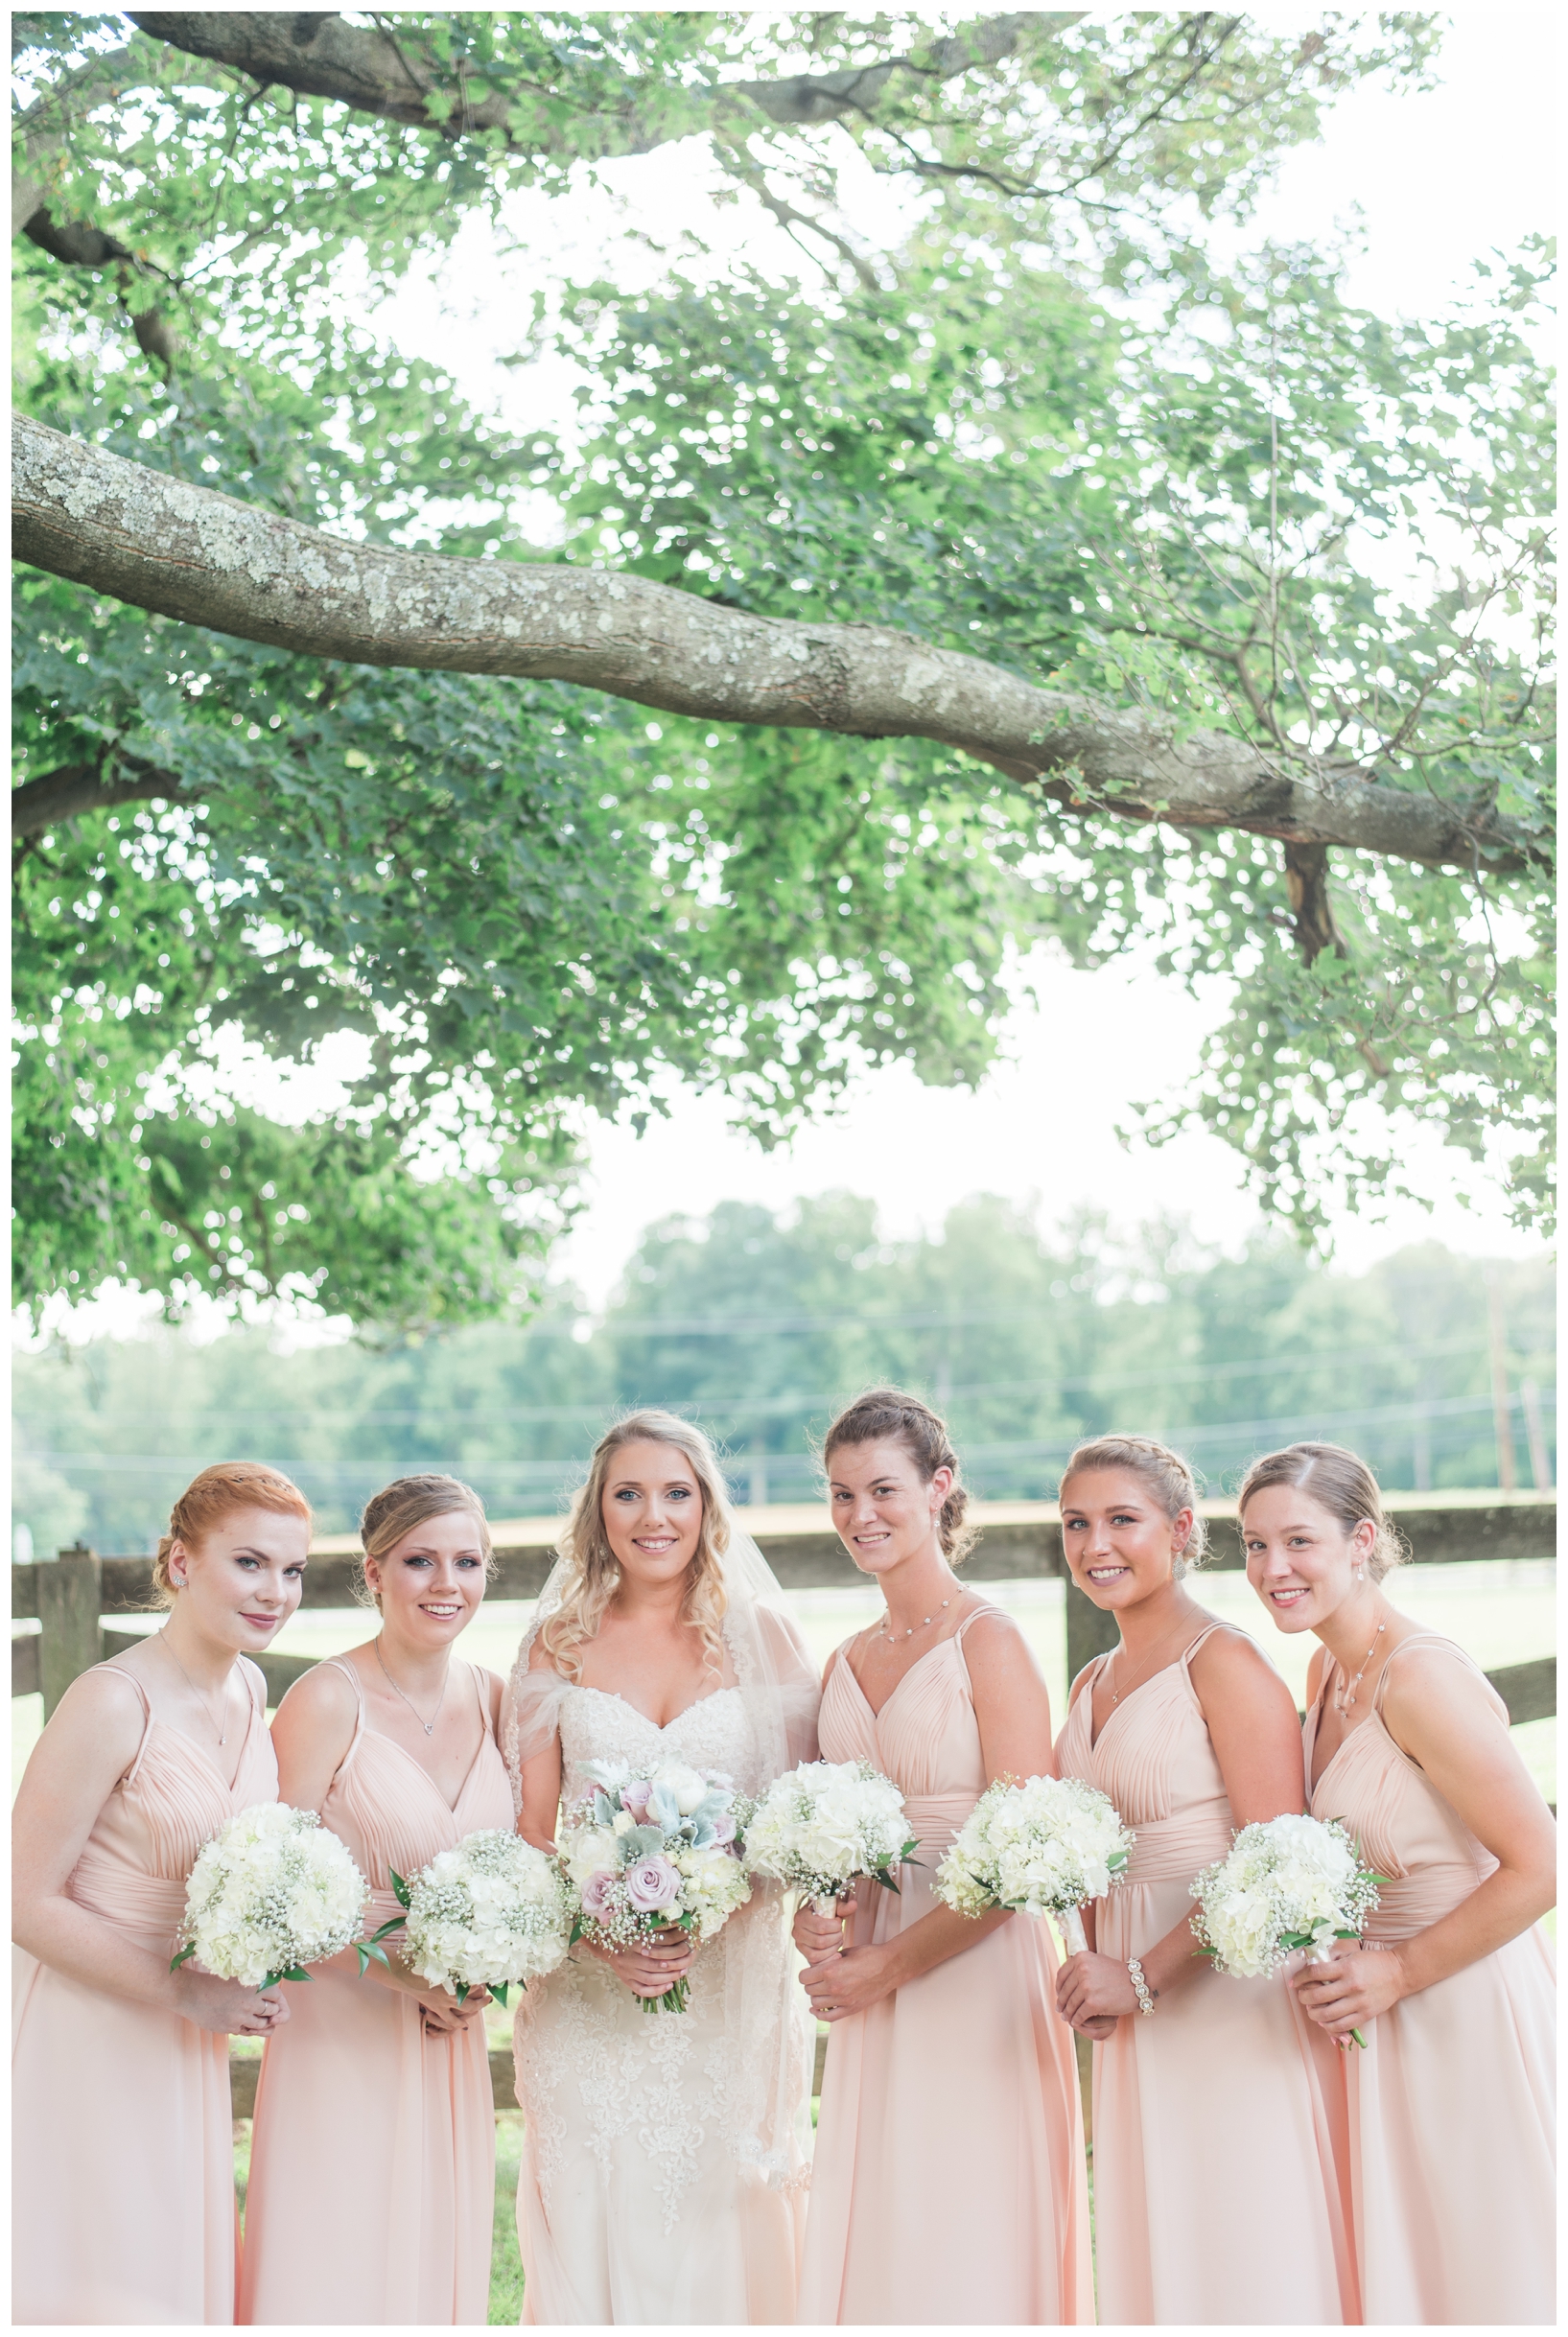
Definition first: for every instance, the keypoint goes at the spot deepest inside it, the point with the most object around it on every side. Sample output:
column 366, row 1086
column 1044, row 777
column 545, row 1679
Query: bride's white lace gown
column 666, row 2154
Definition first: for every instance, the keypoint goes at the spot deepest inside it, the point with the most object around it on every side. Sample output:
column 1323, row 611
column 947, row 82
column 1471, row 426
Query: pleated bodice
column 1155, row 1758
column 392, row 1814
column 926, row 1738
column 1406, row 1830
column 170, row 1801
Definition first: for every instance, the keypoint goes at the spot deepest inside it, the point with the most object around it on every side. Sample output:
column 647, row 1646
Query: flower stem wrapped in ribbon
column 1047, row 1846
column 493, row 1913
column 1289, row 1883
column 273, row 1891
column 644, row 1854
column 820, row 1827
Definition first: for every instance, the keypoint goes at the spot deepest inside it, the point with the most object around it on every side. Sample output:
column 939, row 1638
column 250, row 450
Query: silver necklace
column 429, row 1726
column 1117, row 1693
column 222, row 1726
column 1345, row 1698
column 893, row 1637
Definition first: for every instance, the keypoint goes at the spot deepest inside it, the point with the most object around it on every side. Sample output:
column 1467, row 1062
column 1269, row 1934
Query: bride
column 666, row 2155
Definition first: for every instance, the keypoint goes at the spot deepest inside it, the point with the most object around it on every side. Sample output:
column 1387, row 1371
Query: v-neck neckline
column 228, row 1783
column 660, row 1728
column 876, row 1710
column 414, row 1762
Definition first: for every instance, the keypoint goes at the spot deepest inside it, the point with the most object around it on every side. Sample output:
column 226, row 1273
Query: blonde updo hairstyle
column 595, row 1575
column 399, row 1508
column 887, row 1416
column 1341, row 1482
column 215, row 1495
column 1162, row 1473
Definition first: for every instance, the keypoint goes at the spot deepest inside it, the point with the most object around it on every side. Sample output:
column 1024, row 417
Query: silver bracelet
column 1140, row 1986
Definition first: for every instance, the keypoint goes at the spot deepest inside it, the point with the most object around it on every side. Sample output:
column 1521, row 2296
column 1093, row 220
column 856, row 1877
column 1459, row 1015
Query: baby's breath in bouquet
column 1048, row 1845
column 820, row 1827
column 646, row 1853
column 1289, row 1883
column 493, row 1913
column 273, row 1891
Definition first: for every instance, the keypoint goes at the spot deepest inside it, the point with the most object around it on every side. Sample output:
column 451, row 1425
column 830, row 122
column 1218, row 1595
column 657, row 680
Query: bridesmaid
column 1217, row 2110
column 372, row 2163
column 123, row 2149
column 949, row 2184
column 1452, row 2103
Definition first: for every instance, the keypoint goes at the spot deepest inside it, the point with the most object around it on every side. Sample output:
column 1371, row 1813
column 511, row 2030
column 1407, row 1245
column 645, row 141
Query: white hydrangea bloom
column 1289, row 1883
column 822, row 1825
column 1044, row 1846
column 274, row 1892
column 491, row 1912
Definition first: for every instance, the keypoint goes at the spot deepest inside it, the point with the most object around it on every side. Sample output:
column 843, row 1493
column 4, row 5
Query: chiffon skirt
column 122, row 2165
column 373, row 2164
column 1220, row 2148
column 1453, row 2113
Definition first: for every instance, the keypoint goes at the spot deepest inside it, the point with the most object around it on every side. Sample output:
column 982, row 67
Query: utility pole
column 1540, row 1468
column 1508, row 1475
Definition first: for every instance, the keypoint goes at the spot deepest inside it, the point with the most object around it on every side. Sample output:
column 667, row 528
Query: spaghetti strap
column 1207, row 1634
column 477, row 1677
column 1426, row 1639
column 120, row 1673
column 340, row 1663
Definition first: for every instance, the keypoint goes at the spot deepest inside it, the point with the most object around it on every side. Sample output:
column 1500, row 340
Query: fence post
column 70, row 1637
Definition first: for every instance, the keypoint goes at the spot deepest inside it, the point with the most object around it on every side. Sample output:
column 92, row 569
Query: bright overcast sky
column 1438, row 180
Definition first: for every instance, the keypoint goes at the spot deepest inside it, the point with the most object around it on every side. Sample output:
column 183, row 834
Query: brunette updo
column 887, row 1416
column 1164, row 1473
column 216, row 1494
column 1342, row 1484
column 399, row 1508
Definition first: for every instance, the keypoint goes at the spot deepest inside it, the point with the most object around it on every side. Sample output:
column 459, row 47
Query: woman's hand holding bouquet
column 652, row 1861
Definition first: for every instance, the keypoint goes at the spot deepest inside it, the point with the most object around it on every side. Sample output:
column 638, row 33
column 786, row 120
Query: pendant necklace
column 220, row 1726
column 893, row 1637
column 1345, row 1698
column 1117, row 1693
column 429, row 1726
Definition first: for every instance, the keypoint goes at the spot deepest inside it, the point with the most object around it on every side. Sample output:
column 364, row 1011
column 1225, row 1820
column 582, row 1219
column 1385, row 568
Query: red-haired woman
column 122, row 2157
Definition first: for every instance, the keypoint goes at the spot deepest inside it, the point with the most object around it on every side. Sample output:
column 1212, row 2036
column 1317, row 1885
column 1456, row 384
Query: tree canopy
column 1026, row 581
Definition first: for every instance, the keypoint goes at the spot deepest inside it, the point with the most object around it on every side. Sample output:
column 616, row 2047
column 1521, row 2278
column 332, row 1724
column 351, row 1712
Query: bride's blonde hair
column 596, row 1577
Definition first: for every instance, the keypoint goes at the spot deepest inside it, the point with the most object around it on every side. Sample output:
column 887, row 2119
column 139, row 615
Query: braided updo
column 888, row 1415
column 216, row 1494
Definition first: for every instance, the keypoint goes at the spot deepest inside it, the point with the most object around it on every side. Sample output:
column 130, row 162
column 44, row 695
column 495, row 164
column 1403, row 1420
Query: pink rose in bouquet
column 652, row 1882
column 648, row 1855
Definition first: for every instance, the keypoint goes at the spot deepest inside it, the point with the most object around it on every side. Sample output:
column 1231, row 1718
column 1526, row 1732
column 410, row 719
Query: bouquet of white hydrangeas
column 646, row 1852
column 1045, row 1846
column 492, row 1913
column 272, row 1891
column 820, row 1827
column 1288, row 1884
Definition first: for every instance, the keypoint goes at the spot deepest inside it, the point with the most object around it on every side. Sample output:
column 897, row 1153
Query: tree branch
column 319, row 55
column 185, row 552
column 72, row 787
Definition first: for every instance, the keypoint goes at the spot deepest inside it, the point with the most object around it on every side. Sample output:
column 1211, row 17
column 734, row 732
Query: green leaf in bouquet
column 366, row 1949
column 401, row 1890
column 175, row 1962
column 499, row 1989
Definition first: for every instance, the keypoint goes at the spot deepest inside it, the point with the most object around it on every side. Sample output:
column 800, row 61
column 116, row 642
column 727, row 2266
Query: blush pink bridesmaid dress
column 1453, row 2103
column 122, row 2134
column 1219, row 2119
column 372, row 2161
column 949, row 2184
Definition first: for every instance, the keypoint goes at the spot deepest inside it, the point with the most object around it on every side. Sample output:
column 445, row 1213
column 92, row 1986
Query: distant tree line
column 760, row 1323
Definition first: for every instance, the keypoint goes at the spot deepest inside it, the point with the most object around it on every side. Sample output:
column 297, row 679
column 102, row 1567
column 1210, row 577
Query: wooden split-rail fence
column 78, row 1598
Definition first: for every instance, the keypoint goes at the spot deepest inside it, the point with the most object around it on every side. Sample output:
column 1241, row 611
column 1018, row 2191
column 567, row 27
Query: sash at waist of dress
column 148, row 1908
column 934, row 1818
column 1409, row 1902
column 1171, row 1849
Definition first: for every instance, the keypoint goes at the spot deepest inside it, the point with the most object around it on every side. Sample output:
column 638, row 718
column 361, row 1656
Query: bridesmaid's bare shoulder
column 1231, row 1663
column 320, row 1704
column 492, row 1688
